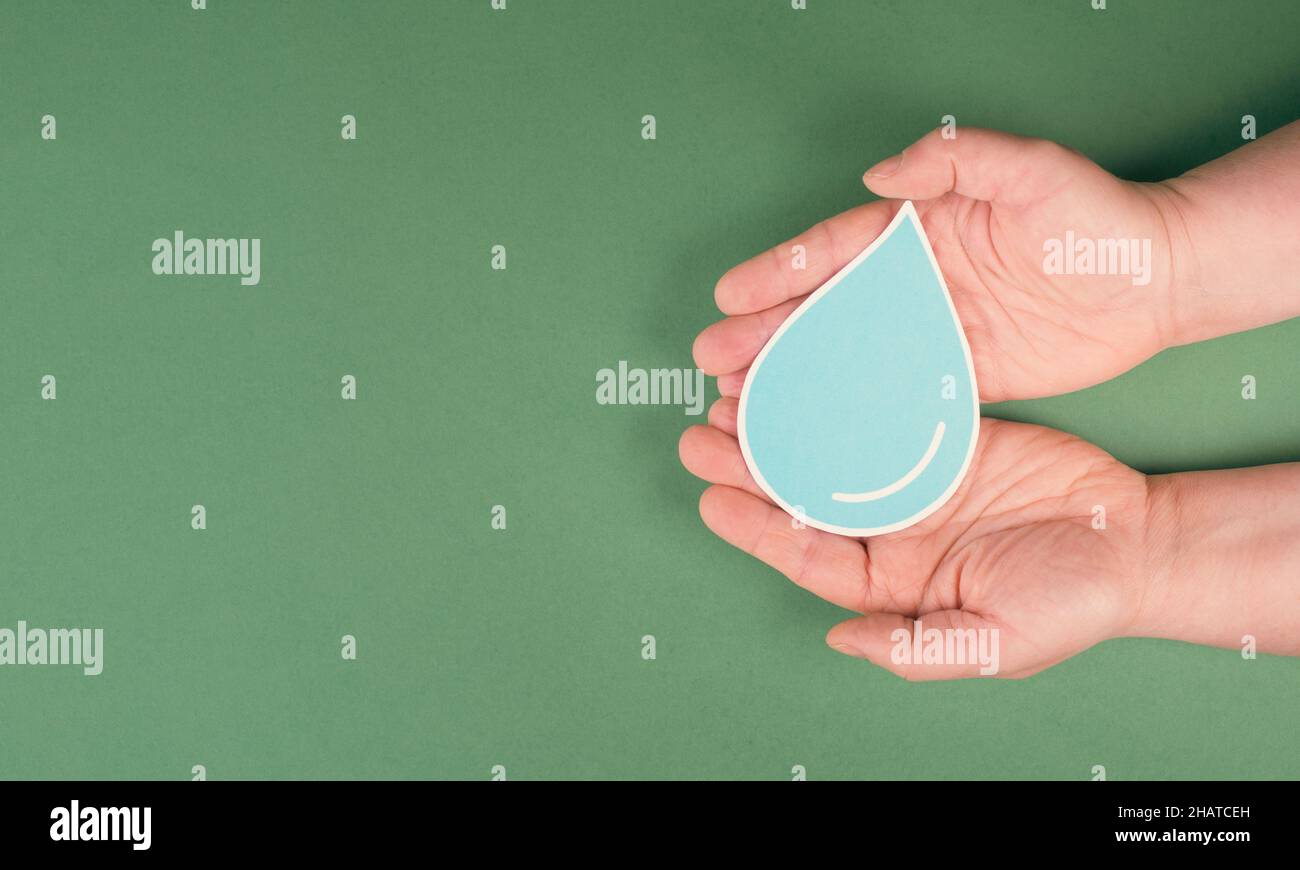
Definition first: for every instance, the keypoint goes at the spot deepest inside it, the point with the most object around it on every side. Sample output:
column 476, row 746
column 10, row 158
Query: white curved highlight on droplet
column 872, row 495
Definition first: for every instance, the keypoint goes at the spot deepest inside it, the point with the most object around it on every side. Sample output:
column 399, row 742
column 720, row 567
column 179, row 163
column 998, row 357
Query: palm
column 1041, row 540
column 1031, row 333
column 1037, row 334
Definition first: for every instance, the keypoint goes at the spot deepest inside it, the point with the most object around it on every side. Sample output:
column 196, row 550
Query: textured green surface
column 476, row 387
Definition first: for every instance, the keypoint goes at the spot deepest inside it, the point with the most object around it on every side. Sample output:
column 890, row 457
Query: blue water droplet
column 860, row 414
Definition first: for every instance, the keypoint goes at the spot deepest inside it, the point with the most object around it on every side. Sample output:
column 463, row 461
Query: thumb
column 981, row 164
column 943, row 645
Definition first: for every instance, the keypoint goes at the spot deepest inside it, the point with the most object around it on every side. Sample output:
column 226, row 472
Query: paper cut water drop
column 860, row 414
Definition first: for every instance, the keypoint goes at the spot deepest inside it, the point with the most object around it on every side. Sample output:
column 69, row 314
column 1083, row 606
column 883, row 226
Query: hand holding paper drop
column 853, row 407
column 860, row 414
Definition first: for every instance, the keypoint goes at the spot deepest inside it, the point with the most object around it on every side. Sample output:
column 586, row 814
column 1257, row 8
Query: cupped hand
column 1045, row 541
column 990, row 202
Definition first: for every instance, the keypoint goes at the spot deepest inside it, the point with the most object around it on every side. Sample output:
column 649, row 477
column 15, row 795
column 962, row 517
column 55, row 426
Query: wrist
column 1162, row 547
column 1221, row 555
column 1175, row 205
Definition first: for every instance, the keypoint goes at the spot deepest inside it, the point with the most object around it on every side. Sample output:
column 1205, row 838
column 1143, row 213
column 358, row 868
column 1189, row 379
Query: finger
column 785, row 272
column 954, row 644
column 715, row 456
column 981, row 164
column 722, row 415
column 829, row 566
column 732, row 383
column 730, row 345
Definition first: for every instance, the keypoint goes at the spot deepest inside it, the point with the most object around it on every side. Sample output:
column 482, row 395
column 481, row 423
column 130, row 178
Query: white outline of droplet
column 907, row 212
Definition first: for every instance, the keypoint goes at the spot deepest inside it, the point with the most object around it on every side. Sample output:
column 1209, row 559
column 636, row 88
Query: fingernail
column 848, row 650
column 886, row 167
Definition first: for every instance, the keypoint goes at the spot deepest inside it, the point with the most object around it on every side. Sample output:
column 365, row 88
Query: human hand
column 988, row 202
column 1015, row 549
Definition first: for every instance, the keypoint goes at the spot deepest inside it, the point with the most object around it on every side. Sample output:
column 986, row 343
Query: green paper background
column 476, row 387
